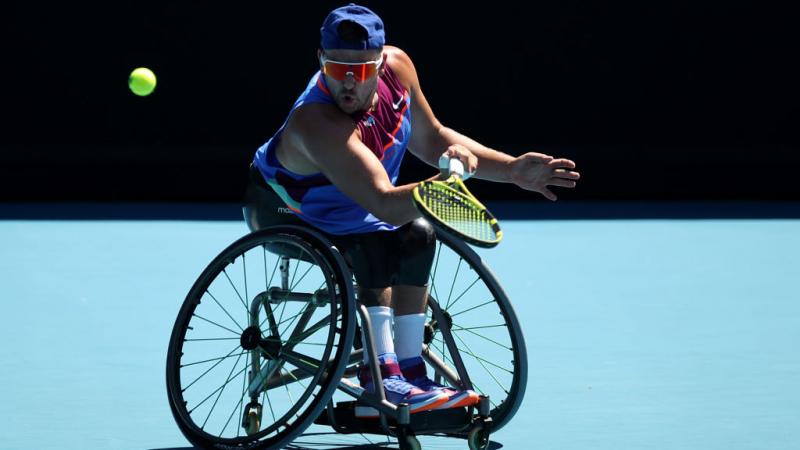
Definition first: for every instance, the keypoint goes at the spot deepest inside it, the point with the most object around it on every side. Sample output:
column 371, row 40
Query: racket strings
column 459, row 212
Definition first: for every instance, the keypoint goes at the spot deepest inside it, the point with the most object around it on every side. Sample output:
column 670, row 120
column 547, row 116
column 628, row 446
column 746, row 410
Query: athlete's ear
column 319, row 57
column 385, row 56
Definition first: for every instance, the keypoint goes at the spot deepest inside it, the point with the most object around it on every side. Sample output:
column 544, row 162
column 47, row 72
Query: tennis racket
column 449, row 205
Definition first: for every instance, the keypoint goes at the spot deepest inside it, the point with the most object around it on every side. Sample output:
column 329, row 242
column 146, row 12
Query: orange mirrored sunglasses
column 339, row 70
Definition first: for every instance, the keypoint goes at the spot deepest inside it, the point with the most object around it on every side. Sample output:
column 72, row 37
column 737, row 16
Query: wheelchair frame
column 473, row 423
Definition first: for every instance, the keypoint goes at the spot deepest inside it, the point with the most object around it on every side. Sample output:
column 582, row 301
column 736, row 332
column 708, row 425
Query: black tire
column 478, row 438
column 311, row 370
column 484, row 326
column 407, row 441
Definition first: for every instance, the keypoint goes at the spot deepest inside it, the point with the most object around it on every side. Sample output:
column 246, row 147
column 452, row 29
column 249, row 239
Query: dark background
column 654, row 100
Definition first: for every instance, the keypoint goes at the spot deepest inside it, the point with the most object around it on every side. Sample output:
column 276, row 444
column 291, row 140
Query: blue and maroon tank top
column 386, row 130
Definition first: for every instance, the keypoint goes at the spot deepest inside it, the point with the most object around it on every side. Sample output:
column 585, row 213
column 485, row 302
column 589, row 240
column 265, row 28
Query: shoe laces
column 427, row 384
column 398, row 384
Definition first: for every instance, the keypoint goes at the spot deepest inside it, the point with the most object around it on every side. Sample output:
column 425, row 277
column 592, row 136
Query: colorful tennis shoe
column 414, row 371
column 397, row 390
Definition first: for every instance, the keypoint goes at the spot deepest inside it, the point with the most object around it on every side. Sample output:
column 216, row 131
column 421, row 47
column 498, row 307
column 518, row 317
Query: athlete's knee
column 368, row 260
column 418, row 238
column 417, row 250
column 374, row 296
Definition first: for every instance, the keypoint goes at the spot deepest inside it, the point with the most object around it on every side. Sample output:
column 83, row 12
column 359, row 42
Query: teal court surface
column 641, row 334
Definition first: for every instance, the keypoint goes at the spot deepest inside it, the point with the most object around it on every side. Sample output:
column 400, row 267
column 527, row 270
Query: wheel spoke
column 273, row 327
column 291, row 320
column 502, row 325
column 484, row 337
column 220, row 390
column 474, row 307
column 267, row 307
column 300, row 332
column 280, row 318
column 310, row 330
column 244, row 275
column 481, row 361
column 241, row 403
column 450, row 305
column 212, row 339
column 294, row 377
column 305, row 389
column 214, row 323
column 267, row 284
column 444, row 354
column 269, row 403
column 291, row 288
column 208, row 370
column 212, row 359
column 452, row 285
column 238, row 406
column 469, row 352
column 306, row 363
column 225, row 272
column 435, row 268
column 286, row 386
column 294, row 285
column 223, row 309
column 293, row 343
column 306, row 309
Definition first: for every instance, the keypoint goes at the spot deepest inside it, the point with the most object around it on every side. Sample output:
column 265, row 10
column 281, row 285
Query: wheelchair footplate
column 466, row 423
column 453, row 420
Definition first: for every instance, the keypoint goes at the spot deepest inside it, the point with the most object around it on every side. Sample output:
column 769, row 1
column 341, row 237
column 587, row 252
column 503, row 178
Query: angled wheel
column 257, row 348
column 483, row 325
column 407, row 441
column 478, row 438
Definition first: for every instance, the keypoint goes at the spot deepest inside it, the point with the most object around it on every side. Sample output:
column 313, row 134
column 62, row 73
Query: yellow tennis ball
column 142, row 81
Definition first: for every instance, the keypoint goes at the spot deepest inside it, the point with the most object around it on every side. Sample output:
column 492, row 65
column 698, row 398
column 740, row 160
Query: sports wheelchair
column 267, row 343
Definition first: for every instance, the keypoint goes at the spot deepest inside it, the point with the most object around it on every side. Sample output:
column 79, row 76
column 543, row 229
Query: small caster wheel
column 251, row 422
column 408, row 441
column 478, row 438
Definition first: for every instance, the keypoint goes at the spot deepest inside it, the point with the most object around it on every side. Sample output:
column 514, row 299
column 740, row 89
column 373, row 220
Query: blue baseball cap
column 352, row 13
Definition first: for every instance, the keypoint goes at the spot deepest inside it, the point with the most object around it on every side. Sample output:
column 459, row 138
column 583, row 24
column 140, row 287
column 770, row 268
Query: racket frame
column 456, row 185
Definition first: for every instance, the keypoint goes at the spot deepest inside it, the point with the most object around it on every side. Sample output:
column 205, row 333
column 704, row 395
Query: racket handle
column 452, row 166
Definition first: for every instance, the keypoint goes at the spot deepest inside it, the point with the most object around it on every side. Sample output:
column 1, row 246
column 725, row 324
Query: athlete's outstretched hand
column 536, row 171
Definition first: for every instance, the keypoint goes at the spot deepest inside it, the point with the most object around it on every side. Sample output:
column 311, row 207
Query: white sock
column 381, row 319
column 409, row 331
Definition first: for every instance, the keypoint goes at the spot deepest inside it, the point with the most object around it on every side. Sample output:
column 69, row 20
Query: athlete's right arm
column 330, row 141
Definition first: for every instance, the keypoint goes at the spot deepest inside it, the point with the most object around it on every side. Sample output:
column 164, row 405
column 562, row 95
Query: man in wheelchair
column 333, row 165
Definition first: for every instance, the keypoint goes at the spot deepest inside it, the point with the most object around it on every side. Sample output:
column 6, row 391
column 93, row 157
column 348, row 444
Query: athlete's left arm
column 429, row 139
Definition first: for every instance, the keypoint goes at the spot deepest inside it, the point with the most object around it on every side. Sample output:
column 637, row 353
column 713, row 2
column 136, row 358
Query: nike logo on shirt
column 396, row 106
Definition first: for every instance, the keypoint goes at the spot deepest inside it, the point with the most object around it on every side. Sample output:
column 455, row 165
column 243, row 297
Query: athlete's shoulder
column 395, row 55
column 312, row 114
column 312, row 128
column 319, row 121
column 402, row 66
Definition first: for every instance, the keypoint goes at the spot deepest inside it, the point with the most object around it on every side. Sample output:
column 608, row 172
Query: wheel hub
column 251, row 340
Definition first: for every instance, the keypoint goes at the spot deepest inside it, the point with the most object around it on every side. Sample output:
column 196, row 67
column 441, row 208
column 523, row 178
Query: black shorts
column 378, row 259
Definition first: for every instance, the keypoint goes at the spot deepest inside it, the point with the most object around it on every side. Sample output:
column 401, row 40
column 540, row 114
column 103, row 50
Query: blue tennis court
column 677, row 334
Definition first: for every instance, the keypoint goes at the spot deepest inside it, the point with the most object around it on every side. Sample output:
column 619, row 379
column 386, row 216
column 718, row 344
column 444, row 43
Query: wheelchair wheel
column 483, row 324
column 258, row 346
